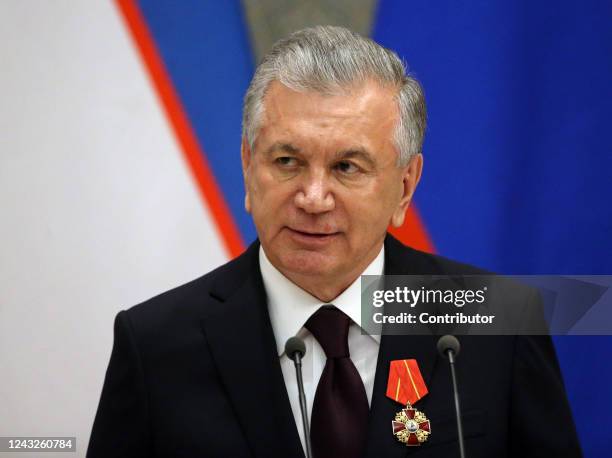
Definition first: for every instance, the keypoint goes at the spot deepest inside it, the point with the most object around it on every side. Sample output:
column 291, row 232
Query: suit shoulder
column 409, row 261
column 450, row 266
column 187, row 301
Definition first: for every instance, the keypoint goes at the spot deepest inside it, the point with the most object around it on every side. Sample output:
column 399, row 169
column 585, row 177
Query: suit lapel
column 381, row 441
column 241, row 340
column 399, row 260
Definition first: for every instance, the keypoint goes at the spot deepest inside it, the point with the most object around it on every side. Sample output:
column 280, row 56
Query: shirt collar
column 290, row 306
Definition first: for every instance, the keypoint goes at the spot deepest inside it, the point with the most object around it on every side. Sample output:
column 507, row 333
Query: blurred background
column 120, row 170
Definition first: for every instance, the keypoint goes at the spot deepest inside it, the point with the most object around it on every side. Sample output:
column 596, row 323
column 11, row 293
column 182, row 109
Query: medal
column 411, row 426
column 406, row 386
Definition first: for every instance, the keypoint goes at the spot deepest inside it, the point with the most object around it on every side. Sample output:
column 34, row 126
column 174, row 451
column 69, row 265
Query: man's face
column 322, row 182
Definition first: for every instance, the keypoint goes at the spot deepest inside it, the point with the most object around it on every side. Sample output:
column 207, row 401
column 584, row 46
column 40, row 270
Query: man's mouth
column 307, row 236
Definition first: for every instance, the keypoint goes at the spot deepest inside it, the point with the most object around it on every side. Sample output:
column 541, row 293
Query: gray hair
column 328, row 59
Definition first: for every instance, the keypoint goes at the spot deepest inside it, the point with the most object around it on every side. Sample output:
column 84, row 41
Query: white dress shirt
column 290, row 307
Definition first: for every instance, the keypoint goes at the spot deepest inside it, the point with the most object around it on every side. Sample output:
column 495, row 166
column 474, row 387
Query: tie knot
column 330, row 327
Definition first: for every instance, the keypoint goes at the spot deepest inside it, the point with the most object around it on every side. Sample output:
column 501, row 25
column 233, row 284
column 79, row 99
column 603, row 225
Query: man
column 331, row 155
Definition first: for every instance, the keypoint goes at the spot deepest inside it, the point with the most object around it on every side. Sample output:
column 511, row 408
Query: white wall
column 97, row 209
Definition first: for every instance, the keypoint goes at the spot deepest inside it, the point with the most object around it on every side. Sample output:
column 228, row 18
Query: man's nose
column 314, row 195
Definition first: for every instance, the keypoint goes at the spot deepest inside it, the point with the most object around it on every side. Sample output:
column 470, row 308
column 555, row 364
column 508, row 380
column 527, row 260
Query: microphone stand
column 451, row 360
column 298, row 374
column 295, row 350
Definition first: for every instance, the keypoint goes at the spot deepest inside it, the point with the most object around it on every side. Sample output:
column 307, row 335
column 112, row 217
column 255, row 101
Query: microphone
column 295, row 349
column 448, row 346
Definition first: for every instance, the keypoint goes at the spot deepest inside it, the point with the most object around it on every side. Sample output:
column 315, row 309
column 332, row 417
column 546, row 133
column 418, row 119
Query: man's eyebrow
column 350, row 153
column 282, row 146
column 357, row 153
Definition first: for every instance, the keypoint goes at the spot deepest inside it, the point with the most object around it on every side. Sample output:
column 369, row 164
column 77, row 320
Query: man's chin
column 310, row 263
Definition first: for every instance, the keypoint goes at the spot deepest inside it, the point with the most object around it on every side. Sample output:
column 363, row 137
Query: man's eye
column 347, row 167
column 286, row 161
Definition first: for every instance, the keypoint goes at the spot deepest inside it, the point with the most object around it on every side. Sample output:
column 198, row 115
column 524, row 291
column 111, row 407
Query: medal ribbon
column 405, row 384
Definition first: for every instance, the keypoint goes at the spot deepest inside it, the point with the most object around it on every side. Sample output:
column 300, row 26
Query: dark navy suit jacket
column 195, row 372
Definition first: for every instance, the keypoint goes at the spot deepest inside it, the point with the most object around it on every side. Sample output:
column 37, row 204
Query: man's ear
column 245, row 156
column 410, row 179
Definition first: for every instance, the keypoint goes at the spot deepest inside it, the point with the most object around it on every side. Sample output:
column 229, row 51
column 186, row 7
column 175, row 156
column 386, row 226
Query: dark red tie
column 340, row 408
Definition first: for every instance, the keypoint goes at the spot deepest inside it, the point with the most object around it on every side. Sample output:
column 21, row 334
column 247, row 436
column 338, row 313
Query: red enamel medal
column 411, row 426
column 406, row 386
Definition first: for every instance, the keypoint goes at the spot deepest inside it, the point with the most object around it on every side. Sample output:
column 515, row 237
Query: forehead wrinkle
column 282, row 146
column 358, row 152
column 319, row 119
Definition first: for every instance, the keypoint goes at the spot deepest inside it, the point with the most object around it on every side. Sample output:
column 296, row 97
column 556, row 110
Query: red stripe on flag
column 412, row 232
column 192, row 151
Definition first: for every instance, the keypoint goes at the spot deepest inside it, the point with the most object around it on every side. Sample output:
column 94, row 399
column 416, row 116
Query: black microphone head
column 293, row 346
column 446, row 343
